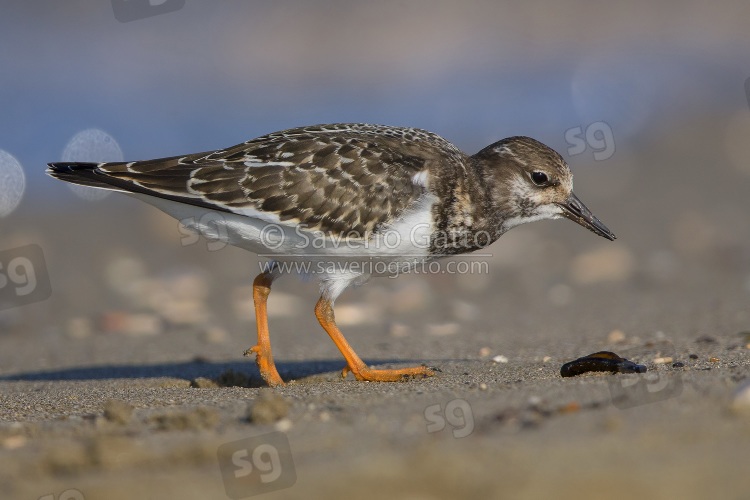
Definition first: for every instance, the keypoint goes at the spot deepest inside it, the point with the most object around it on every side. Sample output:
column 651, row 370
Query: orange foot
column 266, row 366
column 364, row 373
column 324, row 313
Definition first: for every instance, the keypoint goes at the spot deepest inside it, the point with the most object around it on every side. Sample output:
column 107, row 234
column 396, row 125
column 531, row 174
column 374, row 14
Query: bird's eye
column 539, row 178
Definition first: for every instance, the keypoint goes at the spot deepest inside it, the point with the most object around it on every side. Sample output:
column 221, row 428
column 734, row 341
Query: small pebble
column 119, row 412
column 283, row 305
column 199, row 418
column 546, row 359
column 398, row 330
column 571, row 407
column 500, row 359
column 693, row 356
column 136, row 325
column 204, row 383
column 443, row 329
column 741, row 399
column 215, row 335
column 482, row 386
column 410, row 296
column 713, row 360
column 660, row 361
column 14, row 442
column 484, row 352
column 268, row 408
column 283, row 425
column 604, row 264
column 678, row 365
column 464, row 311
column 705, row 339
column 616, row 336
column 612, row 424
column 352, row 314
column 80, row 328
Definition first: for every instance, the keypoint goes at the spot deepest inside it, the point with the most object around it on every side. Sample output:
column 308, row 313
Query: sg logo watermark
column 630, row 390
column 71, row 494
column 132, row 10
column 458, row 414
column 23, row 277
column 211, row 225
column 257, row 465
column 597, row 136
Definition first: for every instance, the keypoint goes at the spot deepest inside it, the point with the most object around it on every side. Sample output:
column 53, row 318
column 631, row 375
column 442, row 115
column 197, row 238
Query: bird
column 346, row 202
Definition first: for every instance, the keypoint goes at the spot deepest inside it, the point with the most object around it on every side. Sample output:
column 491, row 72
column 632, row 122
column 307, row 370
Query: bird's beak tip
column 575, row 210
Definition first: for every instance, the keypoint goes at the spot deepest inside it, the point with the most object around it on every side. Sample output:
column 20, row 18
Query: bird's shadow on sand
column 245, row 372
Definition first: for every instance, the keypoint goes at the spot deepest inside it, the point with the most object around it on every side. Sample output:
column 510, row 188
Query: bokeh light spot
column 12, row 183
column 92, row 145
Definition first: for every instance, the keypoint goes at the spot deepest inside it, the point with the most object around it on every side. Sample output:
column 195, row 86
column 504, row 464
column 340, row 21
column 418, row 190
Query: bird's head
column 529, row 181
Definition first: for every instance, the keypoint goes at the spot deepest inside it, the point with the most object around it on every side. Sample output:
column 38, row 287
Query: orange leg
column 324, row 313
column 264, row 358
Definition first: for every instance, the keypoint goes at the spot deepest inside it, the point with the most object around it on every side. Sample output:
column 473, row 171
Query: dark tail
column 81, row 173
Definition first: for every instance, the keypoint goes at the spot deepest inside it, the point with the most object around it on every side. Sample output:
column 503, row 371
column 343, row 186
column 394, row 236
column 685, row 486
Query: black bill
column 575, row 210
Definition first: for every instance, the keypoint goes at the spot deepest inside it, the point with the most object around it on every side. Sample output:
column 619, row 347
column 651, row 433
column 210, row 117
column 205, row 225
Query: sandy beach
column 123, row 385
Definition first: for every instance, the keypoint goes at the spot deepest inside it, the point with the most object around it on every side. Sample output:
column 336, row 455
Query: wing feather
column 337, row 178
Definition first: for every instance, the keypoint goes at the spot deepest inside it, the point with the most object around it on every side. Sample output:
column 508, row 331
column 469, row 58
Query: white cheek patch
column 549, row 211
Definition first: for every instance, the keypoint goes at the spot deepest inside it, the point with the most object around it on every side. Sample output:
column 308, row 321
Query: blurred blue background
column 212, row 74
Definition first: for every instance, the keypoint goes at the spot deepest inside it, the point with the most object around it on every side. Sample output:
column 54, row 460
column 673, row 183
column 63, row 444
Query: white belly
column 394, row 250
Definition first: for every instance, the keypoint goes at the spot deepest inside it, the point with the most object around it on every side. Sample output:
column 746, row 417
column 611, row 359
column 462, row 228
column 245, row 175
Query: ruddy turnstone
column 348, row 197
